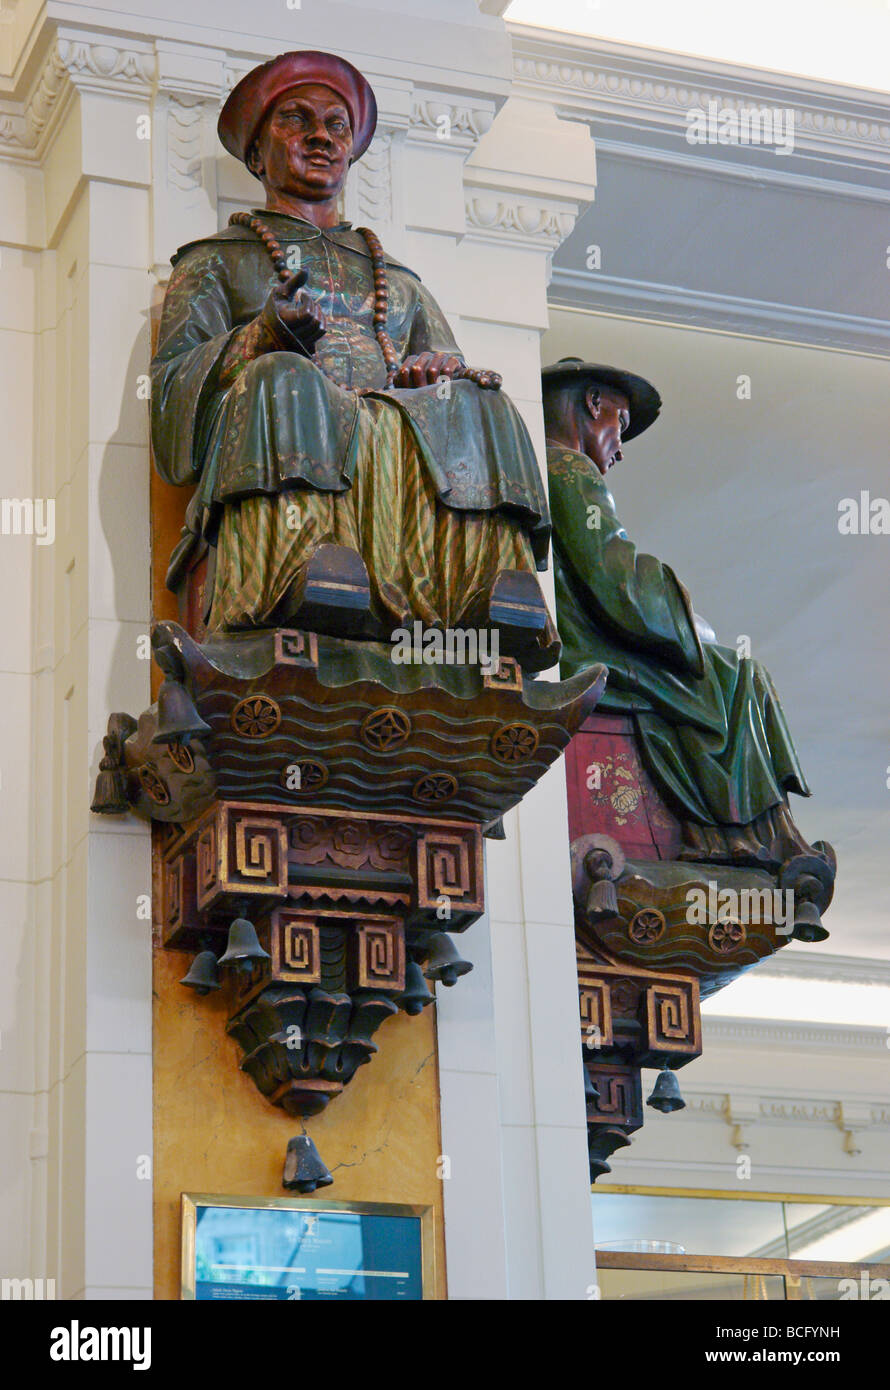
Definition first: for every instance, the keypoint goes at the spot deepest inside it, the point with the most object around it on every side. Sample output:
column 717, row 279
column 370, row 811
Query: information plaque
column 237, row 1248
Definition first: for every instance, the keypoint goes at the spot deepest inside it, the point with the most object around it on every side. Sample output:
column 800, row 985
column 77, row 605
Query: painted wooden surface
column 611, row 793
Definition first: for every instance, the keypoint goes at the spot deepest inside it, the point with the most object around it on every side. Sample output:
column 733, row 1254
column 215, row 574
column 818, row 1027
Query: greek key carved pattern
column 296, row 648
column 380, row 955
column 295, row 946
column 257, row 854
column 506, row 676
column 620, row 1096
column 596, row 1013
column 449, row 865
column 207, row 860
column 253, row 851
column 672, row 1018
column 173, row 893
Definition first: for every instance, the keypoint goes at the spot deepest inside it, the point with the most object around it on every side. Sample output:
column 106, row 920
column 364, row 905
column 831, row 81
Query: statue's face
column 605, row 420
column 305, row 145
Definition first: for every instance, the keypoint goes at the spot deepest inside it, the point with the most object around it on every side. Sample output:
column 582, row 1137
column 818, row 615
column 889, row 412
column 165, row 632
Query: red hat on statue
column 242, row 115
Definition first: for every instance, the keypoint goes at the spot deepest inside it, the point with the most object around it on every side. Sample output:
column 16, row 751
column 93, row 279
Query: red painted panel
column 611, row 793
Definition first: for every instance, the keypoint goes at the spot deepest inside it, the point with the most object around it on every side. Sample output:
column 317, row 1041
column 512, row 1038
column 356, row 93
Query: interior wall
column 214, row 1132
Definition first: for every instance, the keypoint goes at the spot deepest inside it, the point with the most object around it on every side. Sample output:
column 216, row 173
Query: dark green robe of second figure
column 288, row 421
column 710, row 727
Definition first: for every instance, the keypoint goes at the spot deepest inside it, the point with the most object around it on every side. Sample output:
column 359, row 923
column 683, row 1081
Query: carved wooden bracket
column 654, row 932
column 311, row 790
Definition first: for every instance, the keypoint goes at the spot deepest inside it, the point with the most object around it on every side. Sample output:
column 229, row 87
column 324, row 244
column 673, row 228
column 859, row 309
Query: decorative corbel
column 741, row 1113
column 852, row 1118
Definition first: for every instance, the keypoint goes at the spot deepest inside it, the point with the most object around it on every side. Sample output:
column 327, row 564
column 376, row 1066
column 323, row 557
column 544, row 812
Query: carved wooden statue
column 686, row 857
column 351, row 473
column 319, row 801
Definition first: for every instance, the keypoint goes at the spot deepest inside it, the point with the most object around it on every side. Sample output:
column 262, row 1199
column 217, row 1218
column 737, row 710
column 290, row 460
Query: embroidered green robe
column 288, row 421
column 710, row 726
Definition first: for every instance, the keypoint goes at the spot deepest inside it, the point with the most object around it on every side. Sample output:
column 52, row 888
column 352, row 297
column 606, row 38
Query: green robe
column 290, row 421
column 709, row 724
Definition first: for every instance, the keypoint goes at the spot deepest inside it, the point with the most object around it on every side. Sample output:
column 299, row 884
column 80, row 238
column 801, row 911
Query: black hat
column 642, row 396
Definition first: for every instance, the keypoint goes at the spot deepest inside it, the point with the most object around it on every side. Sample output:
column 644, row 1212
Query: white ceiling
column 817, row 40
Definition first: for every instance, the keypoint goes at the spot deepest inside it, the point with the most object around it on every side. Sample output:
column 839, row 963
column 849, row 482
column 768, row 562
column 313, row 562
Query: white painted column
column 510, row 1053
column 82, row 172
column 22, row 1145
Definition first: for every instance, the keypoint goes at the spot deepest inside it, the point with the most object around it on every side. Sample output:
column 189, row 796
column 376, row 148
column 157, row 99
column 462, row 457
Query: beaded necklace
column 490, row 381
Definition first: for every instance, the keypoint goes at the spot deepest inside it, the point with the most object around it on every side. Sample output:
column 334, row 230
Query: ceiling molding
column 636, row 102
column 780, row 174
column 640, row 1169
column 593, row 292
column 771, row 1032
column 812, row 965
column 653, row 91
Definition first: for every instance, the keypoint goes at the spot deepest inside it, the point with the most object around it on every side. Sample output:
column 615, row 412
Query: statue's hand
column 298, row 311
column 425, row 368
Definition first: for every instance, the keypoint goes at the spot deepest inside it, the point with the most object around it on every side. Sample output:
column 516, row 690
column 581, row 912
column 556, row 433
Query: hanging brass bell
column 203, row 974
column 808, row 923
column 303, row 1168
column 111, row 798
column 444, row 962
column 415, row 995
column 243, row 947
column 602, row 901
column 666, row 1095
column 178, row 719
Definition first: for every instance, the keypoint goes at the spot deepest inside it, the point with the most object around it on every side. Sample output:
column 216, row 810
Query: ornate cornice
column 810, row 965
column 788, row 1033
column 99, row 66
column 518, row 219
column 432, row 113
column 744, row 1107
column 635, row 86
column 83, row 63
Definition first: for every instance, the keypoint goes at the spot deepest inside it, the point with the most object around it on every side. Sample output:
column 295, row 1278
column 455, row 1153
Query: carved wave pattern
column 363, row 779
column 683, row 946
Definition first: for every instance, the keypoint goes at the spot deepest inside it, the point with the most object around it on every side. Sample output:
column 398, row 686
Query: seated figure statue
column 351, row 472
column 708, row 722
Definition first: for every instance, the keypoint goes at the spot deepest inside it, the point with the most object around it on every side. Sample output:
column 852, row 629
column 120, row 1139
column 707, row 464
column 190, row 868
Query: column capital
column 529, row 176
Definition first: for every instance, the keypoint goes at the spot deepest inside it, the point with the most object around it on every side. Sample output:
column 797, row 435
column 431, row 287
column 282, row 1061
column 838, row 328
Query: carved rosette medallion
column 153, row 785
column 646, row 926
column 435, row 786
column 181, row 757
column 385, row 729
column 726, row 937
column 514, row 743
column 305, row 775
column 257, row 716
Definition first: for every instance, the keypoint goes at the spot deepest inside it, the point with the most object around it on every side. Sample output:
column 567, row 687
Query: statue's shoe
column 516, row 609
column 331, row 594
